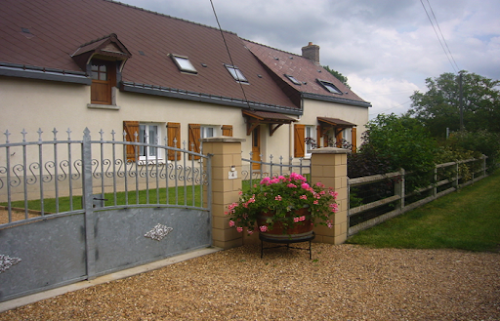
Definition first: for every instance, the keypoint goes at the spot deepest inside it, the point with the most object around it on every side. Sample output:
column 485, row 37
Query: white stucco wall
column 33, row 104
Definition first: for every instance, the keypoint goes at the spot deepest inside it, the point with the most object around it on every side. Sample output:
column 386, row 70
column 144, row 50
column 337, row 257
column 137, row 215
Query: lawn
column 188, row 196
column 467, row 220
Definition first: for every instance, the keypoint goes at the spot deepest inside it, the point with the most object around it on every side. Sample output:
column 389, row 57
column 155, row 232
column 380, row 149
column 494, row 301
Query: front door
column 256, row 148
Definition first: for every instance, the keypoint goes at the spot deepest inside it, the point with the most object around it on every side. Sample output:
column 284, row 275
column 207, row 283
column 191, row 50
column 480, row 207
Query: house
column 106, row 65
column 332, row 112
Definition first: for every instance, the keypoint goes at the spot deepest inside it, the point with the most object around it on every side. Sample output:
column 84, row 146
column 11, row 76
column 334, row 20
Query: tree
column 403, row 141
column 439, row 107
column 391, row 143
column 338, row 75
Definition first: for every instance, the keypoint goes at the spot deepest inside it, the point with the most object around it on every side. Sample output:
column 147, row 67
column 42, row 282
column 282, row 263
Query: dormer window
column 184, row 64
column 236, row 73
column 293, row 79
column 103, row 60
column 330, row 87
column 103, row 80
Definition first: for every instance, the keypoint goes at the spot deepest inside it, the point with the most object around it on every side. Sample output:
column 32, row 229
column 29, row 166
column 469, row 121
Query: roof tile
column 302, row 69
column 61, row 26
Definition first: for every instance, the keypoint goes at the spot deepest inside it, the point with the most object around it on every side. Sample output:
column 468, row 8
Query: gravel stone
column 341, row 282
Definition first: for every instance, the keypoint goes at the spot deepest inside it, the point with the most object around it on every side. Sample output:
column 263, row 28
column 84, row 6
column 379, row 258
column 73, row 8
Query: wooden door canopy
column 275, row 120
column 338, row 125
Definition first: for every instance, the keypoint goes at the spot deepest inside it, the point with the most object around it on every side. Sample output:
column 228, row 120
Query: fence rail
column 455, row 178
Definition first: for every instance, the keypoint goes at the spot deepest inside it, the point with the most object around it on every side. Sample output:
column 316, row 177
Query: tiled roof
column 55, row 29
column 305, row 71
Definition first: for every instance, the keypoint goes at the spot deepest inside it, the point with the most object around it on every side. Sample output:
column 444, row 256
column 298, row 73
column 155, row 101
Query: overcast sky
column 387, row 48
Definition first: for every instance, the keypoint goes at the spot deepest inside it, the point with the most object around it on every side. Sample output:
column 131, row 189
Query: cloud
column 388, row 95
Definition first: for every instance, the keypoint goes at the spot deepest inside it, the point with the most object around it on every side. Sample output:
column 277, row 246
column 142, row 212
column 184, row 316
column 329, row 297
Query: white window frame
column 293, row 80
column 184, row 64
column 309, row 132
column 144, row 137
column 237, row 74
column 207, row 131
column 347, row 135
column 331, row 88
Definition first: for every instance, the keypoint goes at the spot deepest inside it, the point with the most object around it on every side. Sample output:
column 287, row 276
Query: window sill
column 99, row 106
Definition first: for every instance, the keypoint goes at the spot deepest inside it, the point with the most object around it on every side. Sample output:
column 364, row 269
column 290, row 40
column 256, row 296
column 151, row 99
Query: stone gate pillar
column 226, row 165
column 329, row 166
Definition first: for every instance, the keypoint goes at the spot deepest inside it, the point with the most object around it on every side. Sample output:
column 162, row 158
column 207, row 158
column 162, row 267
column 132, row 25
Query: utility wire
column 229, row 54
column 444, row 40
column 439, row 38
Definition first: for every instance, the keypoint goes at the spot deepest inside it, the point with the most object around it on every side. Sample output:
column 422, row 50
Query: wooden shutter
column 194, row 139
column 174, row 134
column 131, row 129
column 227, row 130
column 353, row 139
column 339, row 139
column 299, row 140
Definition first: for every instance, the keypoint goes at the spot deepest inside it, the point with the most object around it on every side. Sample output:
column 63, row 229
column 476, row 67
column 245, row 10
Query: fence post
column 88, row 205
column 434, row 190
column 399, row 189
column 329, row 166
column 225, row 153
column 484, row 165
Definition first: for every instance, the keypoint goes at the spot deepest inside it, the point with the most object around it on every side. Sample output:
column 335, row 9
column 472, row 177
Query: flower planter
column 267, row 209
column 297, row 231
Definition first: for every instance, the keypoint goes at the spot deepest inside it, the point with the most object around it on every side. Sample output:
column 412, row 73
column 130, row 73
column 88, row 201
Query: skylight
column 184, row 64
column 236, row 73
column 293, row 79
column 330, row 87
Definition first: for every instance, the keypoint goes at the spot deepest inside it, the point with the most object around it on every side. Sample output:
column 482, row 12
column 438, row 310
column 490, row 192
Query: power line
column 229, row 53
column 445, row 47
column 444, row 40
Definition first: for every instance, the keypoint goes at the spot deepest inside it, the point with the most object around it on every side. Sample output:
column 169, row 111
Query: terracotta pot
column 298, row 230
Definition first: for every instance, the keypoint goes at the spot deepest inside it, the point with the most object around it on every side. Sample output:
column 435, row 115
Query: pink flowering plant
column 283, row 196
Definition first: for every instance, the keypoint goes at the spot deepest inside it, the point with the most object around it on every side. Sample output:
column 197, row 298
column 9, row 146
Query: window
column 103, row 80
column 293, row 80
column 149, row 134
column 310, row 139
column 184, row 64
column 304, row 140
column 197, row 131
column 330, row 87
column 346, row 135
column 146, row 133
column 236, row 73
column 208, row 131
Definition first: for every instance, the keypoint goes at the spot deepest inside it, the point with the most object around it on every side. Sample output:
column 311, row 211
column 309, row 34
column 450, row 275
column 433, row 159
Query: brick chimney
column 311, row 52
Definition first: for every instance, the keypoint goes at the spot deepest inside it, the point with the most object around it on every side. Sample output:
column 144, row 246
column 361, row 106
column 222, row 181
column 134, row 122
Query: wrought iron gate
column 77, row 209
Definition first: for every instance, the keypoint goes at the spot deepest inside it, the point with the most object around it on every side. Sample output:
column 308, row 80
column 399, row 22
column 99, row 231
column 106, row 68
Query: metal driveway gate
column 78, row 209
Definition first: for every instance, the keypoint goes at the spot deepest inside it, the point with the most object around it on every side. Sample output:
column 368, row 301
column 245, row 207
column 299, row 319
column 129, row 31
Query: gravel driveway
column 342, row 282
